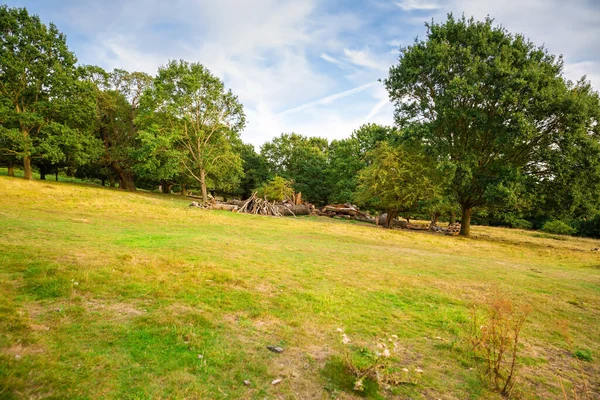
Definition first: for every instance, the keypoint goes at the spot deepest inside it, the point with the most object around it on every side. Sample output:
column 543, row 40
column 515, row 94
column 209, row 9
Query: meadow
column 111, row 294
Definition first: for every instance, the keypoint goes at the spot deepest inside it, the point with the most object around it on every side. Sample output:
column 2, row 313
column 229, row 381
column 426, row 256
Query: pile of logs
column 345, row 211
column 452, row 229
column 258, row 206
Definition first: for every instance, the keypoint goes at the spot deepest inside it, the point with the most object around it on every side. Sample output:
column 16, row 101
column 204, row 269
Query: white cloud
column 329, row 99
column 333, row 60
column 412, row 5
column 364, row 58
column 591, row 69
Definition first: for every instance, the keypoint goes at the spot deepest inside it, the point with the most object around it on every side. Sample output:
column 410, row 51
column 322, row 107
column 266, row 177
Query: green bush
column 276, row 189
column 519, row 223
column 590, row 228
column 583, row 354
column 558, row 227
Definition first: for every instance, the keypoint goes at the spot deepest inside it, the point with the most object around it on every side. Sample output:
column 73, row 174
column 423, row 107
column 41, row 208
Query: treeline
column 487, row 128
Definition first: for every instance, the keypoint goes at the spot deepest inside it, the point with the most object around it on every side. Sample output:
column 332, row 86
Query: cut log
column 224, row 206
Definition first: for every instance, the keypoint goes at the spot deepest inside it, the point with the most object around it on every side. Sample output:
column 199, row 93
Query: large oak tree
column 486, row 101
column 43, row 105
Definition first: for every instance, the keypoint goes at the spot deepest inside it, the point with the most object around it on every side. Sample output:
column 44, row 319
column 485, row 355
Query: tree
column 348, row 156
column 118, row 95
column 395, row 181
column 37, row 77
column 487, row 103
column 302, row 160
column 277, row 189
column 256, row 170
column 191, row 108
column 569, row 174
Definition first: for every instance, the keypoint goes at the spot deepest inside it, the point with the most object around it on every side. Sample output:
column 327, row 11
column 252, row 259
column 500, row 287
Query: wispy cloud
column 365, row 58
column 332, row 60
column 328, row 99
column 412, row 5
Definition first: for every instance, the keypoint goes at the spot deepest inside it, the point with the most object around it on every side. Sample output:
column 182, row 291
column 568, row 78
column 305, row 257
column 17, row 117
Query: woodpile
column 345, row 211
column 452, row 229
column 260, row 206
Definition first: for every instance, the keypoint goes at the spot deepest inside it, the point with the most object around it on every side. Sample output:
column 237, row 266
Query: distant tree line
column 487, row 129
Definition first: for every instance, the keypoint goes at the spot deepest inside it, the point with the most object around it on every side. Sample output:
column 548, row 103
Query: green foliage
column 117, row 105
column 558, row 227
column 519, row 223
column 44, row 108
column 256, row 170
column 396, row 179
column 488, row 103
column 590, row 227
column 583, row 354
column 302, row 160
column 189, row 107
column 277, row 189
column 348, row 156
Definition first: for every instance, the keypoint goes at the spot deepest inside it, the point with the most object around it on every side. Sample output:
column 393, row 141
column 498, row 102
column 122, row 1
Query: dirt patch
column 114, row 311
column 20, row 350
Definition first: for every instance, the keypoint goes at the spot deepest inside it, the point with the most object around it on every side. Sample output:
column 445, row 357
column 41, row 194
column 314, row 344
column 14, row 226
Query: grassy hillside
column 107, row 294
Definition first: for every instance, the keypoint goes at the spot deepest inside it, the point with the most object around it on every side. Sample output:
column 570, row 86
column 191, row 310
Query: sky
column 306, row 66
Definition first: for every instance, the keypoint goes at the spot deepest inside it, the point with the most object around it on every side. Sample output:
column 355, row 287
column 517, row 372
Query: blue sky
column 304, row 66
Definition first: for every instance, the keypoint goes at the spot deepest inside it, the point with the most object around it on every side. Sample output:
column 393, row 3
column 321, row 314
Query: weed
column 583, row 355
column 377, row 364
column 581, row 387
column 495, row 339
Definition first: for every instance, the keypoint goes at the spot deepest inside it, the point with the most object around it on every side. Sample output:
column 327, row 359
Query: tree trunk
column 183, row 190
column 452, row 217
column 11, row 170
column 391, row 216
column 103, row 181
column 203, row 184
column 166, row 187
column 127, row 181
column 125, row 177
column 56, row 174
column 434, row 218
column 27, row 168
column 42, row 172
column 465, row 223
column 111, row 181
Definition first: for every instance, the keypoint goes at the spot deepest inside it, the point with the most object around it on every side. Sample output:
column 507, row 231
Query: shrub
column 583, row 354
column 495, row 333
column 377, row 364
column 558, row 227
column 590, row 228
column 519, row 223
column 276, row 189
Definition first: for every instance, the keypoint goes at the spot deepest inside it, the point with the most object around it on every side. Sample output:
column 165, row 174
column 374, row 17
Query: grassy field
column 107, row 294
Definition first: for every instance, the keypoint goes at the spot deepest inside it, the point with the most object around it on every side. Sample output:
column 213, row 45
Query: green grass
column 108, row 294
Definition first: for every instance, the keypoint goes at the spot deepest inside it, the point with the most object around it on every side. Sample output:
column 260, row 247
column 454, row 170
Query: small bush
column 494, row 336
column 590, row 228
column 583, row 355
column 520, row 223
column 277, row 189
column 376, row 364
column 558, row 227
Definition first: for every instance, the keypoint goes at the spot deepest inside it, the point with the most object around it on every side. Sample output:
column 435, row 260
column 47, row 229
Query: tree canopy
column 42, row 103
column 488, row 104
column 193, row 111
